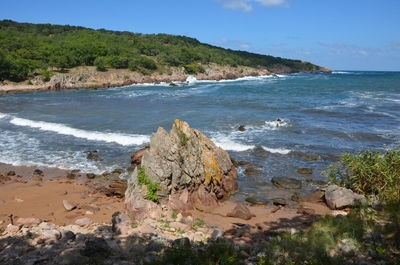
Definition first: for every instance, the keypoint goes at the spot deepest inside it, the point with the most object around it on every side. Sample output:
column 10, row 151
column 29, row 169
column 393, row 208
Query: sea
column 291, row 121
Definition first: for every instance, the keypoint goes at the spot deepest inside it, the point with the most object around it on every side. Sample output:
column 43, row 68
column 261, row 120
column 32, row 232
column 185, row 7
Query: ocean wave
column 229, row 144
column 341, row 73
column 2, row 116
column 122, row 139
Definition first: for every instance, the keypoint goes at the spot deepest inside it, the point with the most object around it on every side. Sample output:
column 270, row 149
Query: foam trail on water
column 228, row 144
column 2, row 115
column 122, row 139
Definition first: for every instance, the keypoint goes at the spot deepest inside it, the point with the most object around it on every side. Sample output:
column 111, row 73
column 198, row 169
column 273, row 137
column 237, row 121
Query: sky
column 338, row 34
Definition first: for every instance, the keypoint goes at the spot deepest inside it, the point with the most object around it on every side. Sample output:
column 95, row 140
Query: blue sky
column 339, row 34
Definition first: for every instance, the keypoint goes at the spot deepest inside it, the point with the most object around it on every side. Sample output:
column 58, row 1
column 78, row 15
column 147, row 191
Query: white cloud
column 247, row 5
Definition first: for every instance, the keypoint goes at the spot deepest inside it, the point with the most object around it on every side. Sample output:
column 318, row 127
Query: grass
column 152, row 187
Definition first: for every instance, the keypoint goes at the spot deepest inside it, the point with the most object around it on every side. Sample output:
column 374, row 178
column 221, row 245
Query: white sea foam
column 276, row 124
column 226, row 142
column 122, row 139
column 341, row 73
column 2, row 115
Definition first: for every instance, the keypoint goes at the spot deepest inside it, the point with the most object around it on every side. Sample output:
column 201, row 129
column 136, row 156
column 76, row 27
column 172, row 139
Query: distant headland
column 51, row 57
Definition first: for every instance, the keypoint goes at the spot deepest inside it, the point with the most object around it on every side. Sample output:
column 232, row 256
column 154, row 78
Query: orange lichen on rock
column 213, row 171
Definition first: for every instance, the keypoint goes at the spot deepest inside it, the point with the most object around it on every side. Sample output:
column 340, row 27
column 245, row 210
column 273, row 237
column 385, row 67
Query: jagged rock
column 52, row 234
column 136, row 157
column 241, row 211
column 12, row 228
column 183, row 160
column 11, row 173
column 338, row 197
column 121, row 222
column 242, row 128
column 286, row 183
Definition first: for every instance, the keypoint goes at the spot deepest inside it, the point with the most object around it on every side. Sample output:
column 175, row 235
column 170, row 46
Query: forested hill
column 26, row 48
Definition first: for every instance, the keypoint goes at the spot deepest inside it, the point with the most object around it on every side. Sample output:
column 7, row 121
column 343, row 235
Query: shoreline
column 90, row 78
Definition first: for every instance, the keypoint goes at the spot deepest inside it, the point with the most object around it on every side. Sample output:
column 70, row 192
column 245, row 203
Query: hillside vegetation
column 27, row 49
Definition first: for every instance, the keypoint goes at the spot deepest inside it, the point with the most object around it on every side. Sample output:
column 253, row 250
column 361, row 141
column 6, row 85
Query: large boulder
column 182, row 169
column 338, row 197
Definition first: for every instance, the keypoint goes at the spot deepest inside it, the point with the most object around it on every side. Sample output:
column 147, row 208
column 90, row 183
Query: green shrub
column 152, row 187
column 183, row 139
column 46, row 75
column 369, row 173
column 193, row 69
column 101, row 63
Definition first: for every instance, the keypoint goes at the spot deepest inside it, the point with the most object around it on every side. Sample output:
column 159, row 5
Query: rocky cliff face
column 182, row 169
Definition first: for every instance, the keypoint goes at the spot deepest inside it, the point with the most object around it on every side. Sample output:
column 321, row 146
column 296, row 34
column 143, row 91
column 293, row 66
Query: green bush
column 46, row 75
column 369, row 173
column 101, row 63
column 193, row 69
column 152, row 187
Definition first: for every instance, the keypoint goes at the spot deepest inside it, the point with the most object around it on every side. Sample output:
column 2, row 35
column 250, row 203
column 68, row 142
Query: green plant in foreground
column 152, row 187
column 369, row 173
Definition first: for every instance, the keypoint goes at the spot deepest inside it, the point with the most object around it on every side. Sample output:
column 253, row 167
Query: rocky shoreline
column 89, row 78
column 53, row 216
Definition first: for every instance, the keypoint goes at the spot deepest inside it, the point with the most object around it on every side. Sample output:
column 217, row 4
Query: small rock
column 306, row 211
column 121, row 223
column 136, row 157
column 18, row 199
column 2, row 202
column 179, row 217
column 242, row 128
column 83, row 221
column 338, row 198
column 90, row 175
column 46, row 226
column 92, row 155
column 216, row 233
column 252, row 172
column 71, row 256
column 182, row 242
column 305, row 171
column 241, row 211
column 279, row 202
column 69, row 206
column 286, row 183
column 257, row 200
column 51, row 234
column 96, row 247
column 11, row 229
column 28, row 221
column 68, row 235
column 11, row 173
column 38, row 172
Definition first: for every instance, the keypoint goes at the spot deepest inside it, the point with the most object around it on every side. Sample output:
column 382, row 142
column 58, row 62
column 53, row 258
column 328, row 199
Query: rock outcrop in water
column 182, row 170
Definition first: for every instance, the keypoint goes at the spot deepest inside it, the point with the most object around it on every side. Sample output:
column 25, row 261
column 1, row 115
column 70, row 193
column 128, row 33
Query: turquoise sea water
column 322, row 116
